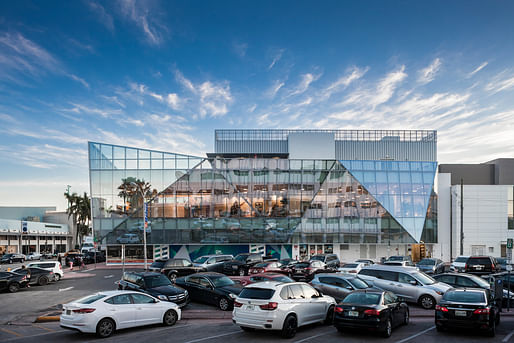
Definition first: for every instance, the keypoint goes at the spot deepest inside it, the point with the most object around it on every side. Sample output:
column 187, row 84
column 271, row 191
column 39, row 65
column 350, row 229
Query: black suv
column 241, row 264
column 331, row 260
column 156, row 285
column 177, row 267
column 10, row 258
column 482, row 265
column 12, row 281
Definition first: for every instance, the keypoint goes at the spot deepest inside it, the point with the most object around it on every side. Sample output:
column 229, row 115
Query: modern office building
column 485, row 201
column 287, row 193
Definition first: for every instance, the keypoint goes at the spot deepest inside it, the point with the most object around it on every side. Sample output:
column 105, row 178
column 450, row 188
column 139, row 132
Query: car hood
column 165, row 290
column 439, row 286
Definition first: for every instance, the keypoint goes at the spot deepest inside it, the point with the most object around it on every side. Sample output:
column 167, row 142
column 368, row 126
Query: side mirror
column 412, row 282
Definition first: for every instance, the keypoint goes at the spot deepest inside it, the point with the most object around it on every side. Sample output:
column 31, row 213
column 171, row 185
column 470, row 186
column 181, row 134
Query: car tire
column 172, row 277
column 440, row 328
column 105, row 328
column 329, row 319
column 427, row 301
column 247, row 329
column 388, row 329
column 170, row 318
column 43, row 281
column 340, row 329
column 492, row 330
column 289, row 327
column 14, row 287
column 223, row 304
column 57, row 277
column 406, row 318
column 241, row 272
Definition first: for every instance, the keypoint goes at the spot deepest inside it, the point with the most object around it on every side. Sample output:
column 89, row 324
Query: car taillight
column 338, row 309
column 51, row 273
column 269, row 306
column 481, row 311
column 441, row 308
column 237, row 304
column 372, row 312
column 84, row 310
column 352, row 271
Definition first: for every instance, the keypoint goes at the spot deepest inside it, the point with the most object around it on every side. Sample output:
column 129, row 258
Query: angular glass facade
column 216, row 201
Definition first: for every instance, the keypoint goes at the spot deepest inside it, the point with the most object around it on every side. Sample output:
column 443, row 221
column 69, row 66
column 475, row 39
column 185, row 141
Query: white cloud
column 173, row 100
column 427, row 74
column 181, row 79
column 80, row 80
column 104, row 112
column 304, row 84
column 477, row 69
column 102, row 15
column 146, row 18
column 240, row 49
column 343, row 82
column 276, row 58
column 133, row 121
column 500, row 83
column 275, row 87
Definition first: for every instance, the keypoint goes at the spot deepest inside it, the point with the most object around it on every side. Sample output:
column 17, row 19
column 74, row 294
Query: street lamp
column 145, row 216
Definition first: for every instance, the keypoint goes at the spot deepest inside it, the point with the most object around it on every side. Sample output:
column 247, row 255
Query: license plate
column 353, row 313
column 479, row 267
column 234, row 267
column 250, row 307
column 460, row 313
column 68, row 312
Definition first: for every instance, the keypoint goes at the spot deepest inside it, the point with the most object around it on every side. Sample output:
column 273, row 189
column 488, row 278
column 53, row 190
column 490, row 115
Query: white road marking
column 311, row 337
column 509, row 336
column 37, row 335
column 65, row 289
column 416, row 335
column 108, row 276
column 211, row 337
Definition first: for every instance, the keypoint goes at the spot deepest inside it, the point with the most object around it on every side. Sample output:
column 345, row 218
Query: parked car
column 459, row 265
column 338, row 285
column 405, row 263
column 305, row 271
column 241, row 264
column 331, row 260
column 106, row 312
column 503, row 263
column 482, row 265
column 52, row 266
column 36, row 276
column 211, row 288
column 177, row 267
column 407, row 282
column 469, row 308
column 155, row 284
column 471, row 281
column 34, row 256
column 272, row 267
column 157, row 265
column 281, row 306
column 431, row 266
column 399, row 258
column 375, row 310
column 351, row 267
column 253, row 278
column 365, row 260
column 12, row 281
column 90, row 256
column 128, row 238
column 212, row 263
column 10, row 258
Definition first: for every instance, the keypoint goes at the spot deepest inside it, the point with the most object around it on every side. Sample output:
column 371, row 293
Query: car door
column 407, row 287
column 147, row 310
column 206, row 291
column 120, row 307
column 393, row 304
column 448, row 279
column 315, row 304
column 192, row 284
column 298, row 304
column 386, row 280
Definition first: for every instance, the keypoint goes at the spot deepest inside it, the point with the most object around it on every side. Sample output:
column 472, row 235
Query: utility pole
column 462, row 216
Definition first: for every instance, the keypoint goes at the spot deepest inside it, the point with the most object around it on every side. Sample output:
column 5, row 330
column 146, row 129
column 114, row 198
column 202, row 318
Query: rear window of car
column 363, row 298
column 256, row 293
column 461, row 259
column 350, row 265
column 464, row 297
column 158, row 264
column 90, row 299
column 476, row 261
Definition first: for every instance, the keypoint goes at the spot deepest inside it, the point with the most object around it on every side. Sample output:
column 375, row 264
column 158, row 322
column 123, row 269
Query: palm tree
column 80, row 208
column 127, row 191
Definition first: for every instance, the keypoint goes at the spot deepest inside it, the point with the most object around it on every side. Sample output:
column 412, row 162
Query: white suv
column 280, row 306
column 53, row 266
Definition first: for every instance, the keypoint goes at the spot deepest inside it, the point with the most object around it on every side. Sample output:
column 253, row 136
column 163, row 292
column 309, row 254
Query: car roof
column 207, row 274
column 407, row 269
column 341, row 275
column 272, row 284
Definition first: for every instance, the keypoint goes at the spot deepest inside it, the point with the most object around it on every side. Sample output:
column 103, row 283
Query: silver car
column 212, row 263
column 407, row 282
column 337, row 285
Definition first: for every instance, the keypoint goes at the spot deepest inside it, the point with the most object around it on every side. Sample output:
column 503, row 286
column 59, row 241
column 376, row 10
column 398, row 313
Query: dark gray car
column 431, row 266
column 212, row 263
column 338, row 285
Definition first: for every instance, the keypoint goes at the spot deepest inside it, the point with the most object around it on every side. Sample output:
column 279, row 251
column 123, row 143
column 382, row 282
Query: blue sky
column 164, row 75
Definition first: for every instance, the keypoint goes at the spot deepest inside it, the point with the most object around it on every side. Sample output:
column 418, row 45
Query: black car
column 373, row 310
column 10, row 258
column 241, row 264
column 12, row 281
column 157, row 265
column 211, row 288
column 305, row 271
column 177, row 267
column 469, row 308
column 90, row 256
column 155, row 284
column 36, row 276
column 482, row 265
column 331, row 260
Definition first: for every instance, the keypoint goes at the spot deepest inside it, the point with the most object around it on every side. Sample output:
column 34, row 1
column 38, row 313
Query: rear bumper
column 269, row 321
column 462, row 324
column 371, row 324
column 81, row 326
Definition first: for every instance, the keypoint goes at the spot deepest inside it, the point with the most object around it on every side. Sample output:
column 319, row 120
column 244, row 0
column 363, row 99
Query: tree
column 135, row 192
column 79, row 207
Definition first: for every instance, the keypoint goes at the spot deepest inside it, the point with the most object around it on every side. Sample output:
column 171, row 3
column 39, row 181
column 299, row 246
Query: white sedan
column 108, row 311
column 354, row 267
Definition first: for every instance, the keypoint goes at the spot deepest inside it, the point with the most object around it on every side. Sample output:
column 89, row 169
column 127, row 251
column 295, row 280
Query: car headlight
column 439, row 292
column 162, row 297
column 185, row 292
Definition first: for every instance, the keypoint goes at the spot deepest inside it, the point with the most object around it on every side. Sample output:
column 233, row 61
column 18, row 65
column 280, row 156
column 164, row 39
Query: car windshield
column 395, row 258
column 424, row 278
column 481, row 282
column 362, row 298
column 464, row 297
column 90, row 299
column 222, row 281
column 317, row 258
column 302, row 265
column 261, row 265
column 426, row 262
column 461, row 259
column 241, row 258
column 358, row 283
column 282, row 279
column 256, row 293
column 201, row 259
column 350, row 265
column 157, row 281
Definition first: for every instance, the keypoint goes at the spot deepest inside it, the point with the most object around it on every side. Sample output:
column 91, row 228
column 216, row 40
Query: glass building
column 287, row 193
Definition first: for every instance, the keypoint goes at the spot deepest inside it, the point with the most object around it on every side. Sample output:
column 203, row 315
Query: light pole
column 145, row 216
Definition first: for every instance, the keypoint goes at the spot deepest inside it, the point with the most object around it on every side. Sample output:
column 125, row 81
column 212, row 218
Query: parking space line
column 311, row 337
column 211, row 337
column 42, row 327
column 416, row 335
column 36, row 335
column 11, row 332
column 509, row 336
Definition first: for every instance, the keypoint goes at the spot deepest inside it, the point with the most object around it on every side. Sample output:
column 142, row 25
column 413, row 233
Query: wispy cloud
column 427, row 74
column 173, row 101
column 275, row 87
column 500, row 83
column 240, row 49
column 277, row 56
column 343, row 82
column 103, row 17
column 146, row 18
column 80, row 80
column 103, row 112
column 306, row 80
column 477, row 69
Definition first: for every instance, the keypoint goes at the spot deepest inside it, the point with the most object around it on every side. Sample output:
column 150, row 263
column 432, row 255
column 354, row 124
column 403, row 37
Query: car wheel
column 14, row 287
column 492, row 330
column 340, row 329
column 497, row 320
column 388, row 329
column 170, row 318
column 241, row 272
column 42, row 281
column 289, row 327
column 427, row 302
column 247, row 329
column 57, row 277
column 223, row 304
column 329, row 319
column 105, row 328
column 406, row 318
column 172, row 277
column 440, row 328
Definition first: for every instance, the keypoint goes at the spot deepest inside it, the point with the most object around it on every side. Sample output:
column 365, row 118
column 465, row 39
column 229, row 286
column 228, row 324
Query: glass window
column 363, row 298
column 261, row 293
column 142, row 299
column 465, row 282
column 309, row 292
column 122, row 299
column 387, row 275
column 296, row 292
column 405, row 278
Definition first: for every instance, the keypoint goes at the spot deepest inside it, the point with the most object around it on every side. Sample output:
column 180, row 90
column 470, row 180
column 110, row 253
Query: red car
column 253, row 278
column 264, row 267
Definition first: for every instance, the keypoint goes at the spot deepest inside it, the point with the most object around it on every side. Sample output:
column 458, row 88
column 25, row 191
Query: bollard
column 9, row 269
